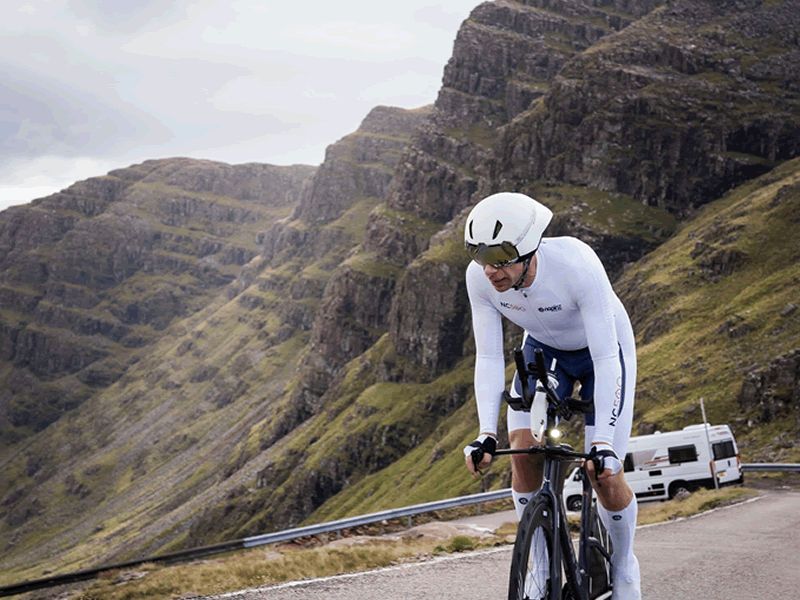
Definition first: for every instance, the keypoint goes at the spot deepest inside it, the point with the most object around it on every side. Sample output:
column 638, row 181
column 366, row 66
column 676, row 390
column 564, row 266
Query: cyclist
column 557, row 290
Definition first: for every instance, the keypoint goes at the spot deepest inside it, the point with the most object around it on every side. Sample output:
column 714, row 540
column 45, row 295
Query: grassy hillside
column 92, row 275
column 710, row 306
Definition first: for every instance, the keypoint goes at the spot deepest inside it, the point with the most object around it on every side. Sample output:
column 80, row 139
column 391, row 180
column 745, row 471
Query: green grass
column 607, row 212
column 354, row 220
column 697, row 502
column 479, row 134
column 449, row 250
column 371, row 265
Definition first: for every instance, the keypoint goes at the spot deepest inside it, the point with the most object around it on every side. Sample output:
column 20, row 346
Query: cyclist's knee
column 526, row 463
column 521, row 438
column 614, row 493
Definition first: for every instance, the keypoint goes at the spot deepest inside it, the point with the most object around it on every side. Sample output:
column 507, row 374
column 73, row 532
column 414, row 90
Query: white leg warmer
column 521, row 500
column 621, row 526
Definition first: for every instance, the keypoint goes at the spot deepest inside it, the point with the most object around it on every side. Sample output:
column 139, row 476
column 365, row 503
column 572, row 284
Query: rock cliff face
column 693, row 88
column 92, row 273
column 773, row 392
column 360, row 165
column 351, row 289
column 505, row 59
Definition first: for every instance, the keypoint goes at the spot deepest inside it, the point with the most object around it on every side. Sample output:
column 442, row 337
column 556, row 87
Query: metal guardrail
column 766, row 467
column 260, row 540
column 300, row 532
column 396, row 513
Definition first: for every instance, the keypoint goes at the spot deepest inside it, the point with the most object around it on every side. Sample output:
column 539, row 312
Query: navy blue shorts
column 571, row 366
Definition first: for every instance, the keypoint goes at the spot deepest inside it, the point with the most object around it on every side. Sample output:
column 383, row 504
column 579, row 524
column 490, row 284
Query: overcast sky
column 87, row 86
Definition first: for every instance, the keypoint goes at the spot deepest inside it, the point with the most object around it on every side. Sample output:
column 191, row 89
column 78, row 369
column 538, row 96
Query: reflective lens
column 497, row 255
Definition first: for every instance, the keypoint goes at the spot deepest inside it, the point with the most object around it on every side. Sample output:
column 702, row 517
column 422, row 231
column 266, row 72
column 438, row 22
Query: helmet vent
column 471, row 235
column 497, row 227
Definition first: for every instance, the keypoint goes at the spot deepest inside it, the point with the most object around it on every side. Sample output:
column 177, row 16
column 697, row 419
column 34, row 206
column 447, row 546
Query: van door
column 726, row 461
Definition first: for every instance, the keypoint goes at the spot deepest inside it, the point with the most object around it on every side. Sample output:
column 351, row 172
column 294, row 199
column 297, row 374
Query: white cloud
column 27, row 180
column 239, row 81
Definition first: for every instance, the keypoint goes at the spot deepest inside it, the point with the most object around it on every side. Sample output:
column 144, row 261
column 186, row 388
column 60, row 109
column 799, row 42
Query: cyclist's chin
column 501, row 286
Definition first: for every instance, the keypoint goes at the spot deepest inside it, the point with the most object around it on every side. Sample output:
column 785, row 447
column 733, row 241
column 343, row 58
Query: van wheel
column 679, row 488
column 574, row 503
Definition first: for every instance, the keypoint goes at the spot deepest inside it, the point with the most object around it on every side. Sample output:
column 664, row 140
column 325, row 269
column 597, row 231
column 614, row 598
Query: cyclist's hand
column 608, row 461
column 478, row 455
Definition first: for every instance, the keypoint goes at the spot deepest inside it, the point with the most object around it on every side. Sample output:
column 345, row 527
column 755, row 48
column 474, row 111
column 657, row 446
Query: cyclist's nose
column 489, row 270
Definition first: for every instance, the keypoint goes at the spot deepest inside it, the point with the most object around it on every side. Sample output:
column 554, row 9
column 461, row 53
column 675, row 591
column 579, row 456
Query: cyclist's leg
column 618, row 508
column 615, row 493
column 526, row 469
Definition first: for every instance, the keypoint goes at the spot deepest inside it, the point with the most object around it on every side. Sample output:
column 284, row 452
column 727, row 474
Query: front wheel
column 530, row 562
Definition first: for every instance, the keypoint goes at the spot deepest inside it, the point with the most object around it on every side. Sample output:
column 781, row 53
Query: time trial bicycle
column 544, row 564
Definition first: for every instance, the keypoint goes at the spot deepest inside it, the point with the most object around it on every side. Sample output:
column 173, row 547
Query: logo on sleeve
column 554, row 308
column 510, row 306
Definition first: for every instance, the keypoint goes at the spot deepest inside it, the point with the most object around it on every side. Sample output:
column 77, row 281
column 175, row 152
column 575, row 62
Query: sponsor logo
column 510, row 306
column 554, row 308
column 617, row 517
column 615, row 410
column 523, row 500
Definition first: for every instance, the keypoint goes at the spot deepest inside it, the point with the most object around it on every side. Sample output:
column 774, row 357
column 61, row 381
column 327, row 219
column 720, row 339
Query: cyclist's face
column 503, row 278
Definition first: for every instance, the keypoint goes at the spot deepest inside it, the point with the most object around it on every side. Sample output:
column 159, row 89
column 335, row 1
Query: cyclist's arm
column 487, row 328
column 596, row 301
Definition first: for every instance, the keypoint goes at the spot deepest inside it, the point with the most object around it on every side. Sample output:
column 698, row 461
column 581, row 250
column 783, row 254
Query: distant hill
column 187, row 357
column 92, row 274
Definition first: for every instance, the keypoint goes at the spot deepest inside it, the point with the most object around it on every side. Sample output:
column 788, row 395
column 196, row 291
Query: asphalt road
column 750, row 551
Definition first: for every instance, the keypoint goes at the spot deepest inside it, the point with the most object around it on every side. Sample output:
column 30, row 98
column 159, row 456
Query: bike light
column 555, row 433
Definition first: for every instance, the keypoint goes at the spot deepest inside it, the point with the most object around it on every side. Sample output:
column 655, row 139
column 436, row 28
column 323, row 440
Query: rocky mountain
column 93, row 274
column 196, row 408
column 329, row 371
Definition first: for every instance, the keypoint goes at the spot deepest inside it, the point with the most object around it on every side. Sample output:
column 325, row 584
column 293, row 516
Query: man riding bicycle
column 557, row 290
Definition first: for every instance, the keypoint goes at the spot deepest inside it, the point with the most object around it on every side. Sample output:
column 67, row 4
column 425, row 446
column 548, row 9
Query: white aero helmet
column 505, row 228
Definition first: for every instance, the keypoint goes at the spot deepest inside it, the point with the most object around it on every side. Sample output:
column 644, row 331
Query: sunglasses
column 496, row 255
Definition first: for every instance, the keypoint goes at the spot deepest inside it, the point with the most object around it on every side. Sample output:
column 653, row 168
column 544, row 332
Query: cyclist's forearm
column 489, row 384
column 607, row 398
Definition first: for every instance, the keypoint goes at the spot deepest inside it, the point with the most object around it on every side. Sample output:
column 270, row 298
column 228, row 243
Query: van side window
column 682, row 454
column 628, row 464
column 723, row 450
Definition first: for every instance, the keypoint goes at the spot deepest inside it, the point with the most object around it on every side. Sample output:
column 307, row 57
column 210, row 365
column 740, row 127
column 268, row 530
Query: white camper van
column 660, row 465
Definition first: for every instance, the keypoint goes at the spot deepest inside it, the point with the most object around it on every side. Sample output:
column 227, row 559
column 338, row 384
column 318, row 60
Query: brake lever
column 599, row 464
column 477, row 456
